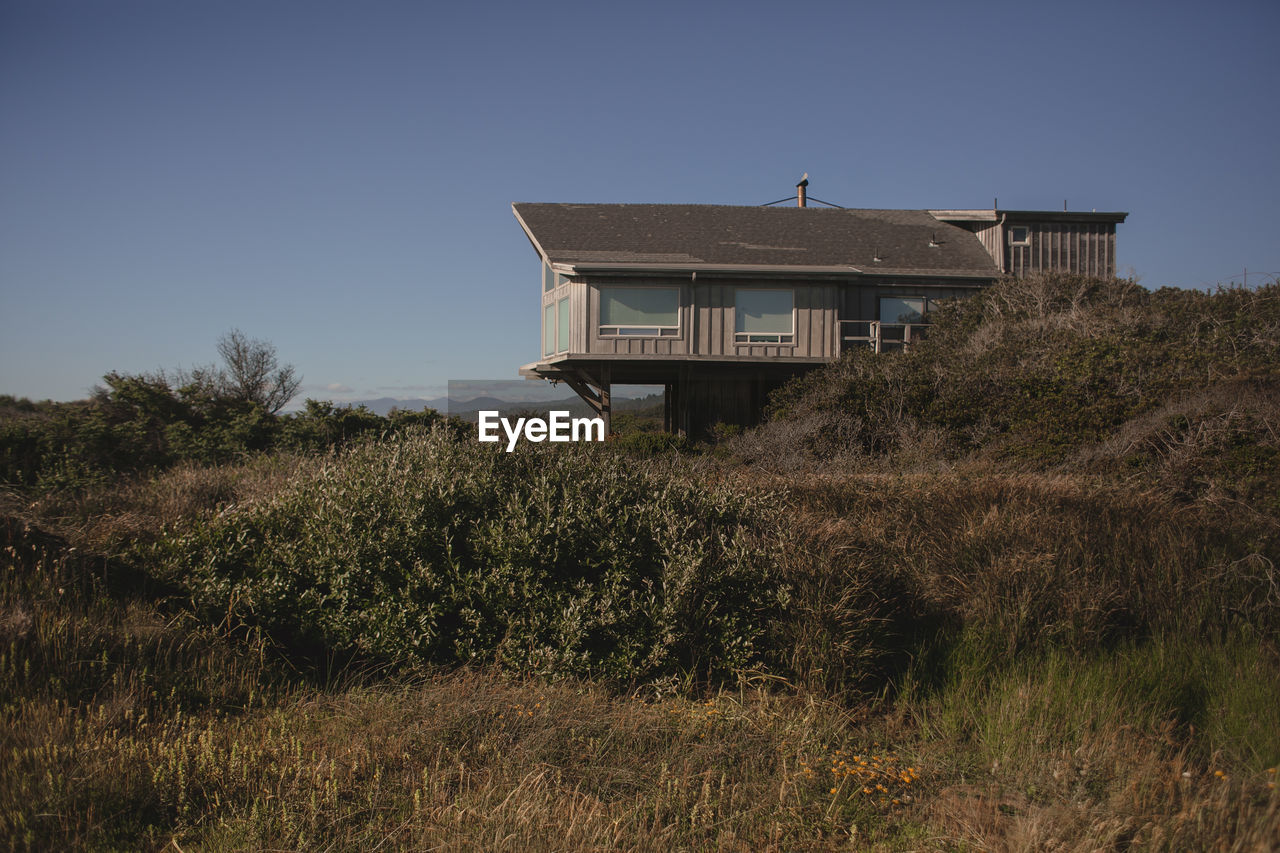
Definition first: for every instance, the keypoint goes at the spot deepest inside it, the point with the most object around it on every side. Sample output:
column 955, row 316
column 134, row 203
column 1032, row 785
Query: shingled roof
column 719, row 236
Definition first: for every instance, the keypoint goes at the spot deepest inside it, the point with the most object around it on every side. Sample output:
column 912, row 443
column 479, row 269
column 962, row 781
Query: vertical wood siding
column 993, row 241
column 1087, row 248
column 578, row 312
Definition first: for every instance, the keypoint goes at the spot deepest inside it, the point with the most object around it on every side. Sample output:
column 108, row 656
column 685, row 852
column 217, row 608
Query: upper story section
column 1023, row 242
column 729, row 283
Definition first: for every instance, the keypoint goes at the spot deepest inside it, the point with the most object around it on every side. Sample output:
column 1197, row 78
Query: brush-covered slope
column 1063, row 372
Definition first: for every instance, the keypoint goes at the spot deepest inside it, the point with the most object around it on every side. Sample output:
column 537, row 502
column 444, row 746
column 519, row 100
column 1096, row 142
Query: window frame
column 618, row 331
column 1025, row 241
column 551, row 279
column 548, row 328
column 741, row 338
column 930, row 304
column 562, row 324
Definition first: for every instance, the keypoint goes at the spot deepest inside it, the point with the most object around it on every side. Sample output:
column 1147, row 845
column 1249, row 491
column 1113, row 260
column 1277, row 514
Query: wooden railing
column 879, row 337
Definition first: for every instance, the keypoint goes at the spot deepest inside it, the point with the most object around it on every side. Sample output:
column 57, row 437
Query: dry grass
column 472, row 762
column 127, row 728
column 1029, row 561
column 138, row 507
column 1015, row 626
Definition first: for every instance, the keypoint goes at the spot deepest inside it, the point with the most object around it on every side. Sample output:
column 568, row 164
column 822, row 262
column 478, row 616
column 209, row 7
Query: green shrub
column 141, row 424
column 423, row 548
column 650, row 444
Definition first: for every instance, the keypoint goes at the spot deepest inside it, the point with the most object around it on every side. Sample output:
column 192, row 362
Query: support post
column 594, row 391
column 606, row 400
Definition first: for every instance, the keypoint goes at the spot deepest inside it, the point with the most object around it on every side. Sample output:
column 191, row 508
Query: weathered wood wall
column 1088, row 248
column 992, row 238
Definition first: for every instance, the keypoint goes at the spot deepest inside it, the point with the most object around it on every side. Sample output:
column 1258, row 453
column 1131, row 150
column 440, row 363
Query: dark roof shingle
column 721, row 235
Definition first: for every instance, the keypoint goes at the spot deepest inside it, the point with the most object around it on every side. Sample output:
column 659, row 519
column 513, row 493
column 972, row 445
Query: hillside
column 1015, row 589
column 1061, row 374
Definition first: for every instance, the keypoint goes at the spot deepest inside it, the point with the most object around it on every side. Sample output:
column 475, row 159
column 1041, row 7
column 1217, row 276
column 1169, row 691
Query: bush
column 649, row 444
column 562, row 561
column 141, row 424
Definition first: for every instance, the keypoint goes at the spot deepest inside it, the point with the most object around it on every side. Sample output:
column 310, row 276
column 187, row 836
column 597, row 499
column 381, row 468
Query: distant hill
column 469, row 409
column 384, row 405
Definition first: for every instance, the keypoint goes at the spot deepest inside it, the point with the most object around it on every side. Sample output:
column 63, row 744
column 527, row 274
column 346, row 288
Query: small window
column 1019, row 235
column 562, row 325
column 550, row 278
column 763, row 317
column 650, row 312
column 904, row 310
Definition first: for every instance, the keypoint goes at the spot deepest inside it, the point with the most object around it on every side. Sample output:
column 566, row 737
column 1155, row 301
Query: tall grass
column 1022, row 563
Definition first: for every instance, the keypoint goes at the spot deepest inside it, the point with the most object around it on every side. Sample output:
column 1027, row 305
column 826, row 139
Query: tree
column 252, row 372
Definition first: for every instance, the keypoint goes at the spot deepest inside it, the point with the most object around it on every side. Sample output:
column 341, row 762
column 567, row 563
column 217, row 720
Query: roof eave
column 528, row 232
column 964, row 215
column 770, row 270
column 976, row 275
column 624, row 268
column 1041, row 215
column 1066, row 215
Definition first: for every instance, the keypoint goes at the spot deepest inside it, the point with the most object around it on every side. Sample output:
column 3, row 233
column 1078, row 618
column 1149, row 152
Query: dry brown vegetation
column 131, row 724
column 992, row 639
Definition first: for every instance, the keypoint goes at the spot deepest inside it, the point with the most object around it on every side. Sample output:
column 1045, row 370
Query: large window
column 640, row 311
column 548, row 329
column 763, row 317
column 562, row 325
column 555, row 327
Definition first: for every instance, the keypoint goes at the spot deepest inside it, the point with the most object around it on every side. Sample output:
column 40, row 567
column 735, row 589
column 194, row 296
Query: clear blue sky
column 337, row 177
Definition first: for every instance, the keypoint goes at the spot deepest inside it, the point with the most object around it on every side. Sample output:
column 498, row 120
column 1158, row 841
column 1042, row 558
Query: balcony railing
column 879, row 337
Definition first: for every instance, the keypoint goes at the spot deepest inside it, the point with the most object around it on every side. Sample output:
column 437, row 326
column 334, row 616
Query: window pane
column 902, row 309
column 763, row 311
column 639, row 306
column 563, row 325
column 548, row 277
column 548, row 330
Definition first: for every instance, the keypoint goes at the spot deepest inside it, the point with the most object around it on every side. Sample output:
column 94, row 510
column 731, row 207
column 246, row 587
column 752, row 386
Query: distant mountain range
column 468, row 409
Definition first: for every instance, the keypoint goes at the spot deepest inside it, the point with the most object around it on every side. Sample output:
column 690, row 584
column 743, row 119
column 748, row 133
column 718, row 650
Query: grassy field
column 939, row 628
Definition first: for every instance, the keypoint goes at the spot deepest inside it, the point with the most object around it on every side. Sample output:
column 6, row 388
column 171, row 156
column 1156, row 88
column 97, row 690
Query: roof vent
column 801, row 194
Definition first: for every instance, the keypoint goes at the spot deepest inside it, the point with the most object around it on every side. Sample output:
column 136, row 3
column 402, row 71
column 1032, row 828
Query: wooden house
column 722, row 304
